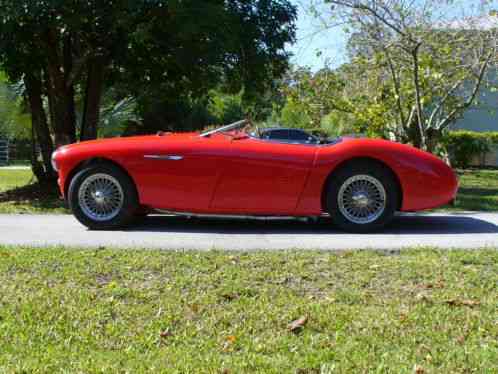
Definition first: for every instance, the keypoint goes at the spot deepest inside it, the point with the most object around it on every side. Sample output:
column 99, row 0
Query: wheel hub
column 101, row 197
column 362, row 199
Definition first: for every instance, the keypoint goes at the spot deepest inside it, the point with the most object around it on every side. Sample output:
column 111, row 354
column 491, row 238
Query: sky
column 312, row 37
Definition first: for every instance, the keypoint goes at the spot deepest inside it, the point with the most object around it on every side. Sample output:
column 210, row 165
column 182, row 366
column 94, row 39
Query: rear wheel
column 362, row 197
column 103, row 197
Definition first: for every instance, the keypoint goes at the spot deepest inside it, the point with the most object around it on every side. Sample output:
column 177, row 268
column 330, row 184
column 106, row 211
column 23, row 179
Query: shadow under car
column 403, row 224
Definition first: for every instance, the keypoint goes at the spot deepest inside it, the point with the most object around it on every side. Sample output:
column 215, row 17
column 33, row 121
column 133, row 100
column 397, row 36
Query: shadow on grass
column 410, row 224
column 477, row 199
column 465, row 192
column 42, row 197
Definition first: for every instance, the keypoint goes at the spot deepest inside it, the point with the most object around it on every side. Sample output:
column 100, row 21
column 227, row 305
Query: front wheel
column 362, row 197
column 103, row 197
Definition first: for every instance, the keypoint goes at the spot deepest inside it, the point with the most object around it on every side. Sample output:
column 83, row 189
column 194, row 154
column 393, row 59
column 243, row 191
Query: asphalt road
column 469, row 230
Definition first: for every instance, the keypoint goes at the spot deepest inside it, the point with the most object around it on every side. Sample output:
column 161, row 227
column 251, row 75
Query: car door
column 263, row 177
column 182, row 175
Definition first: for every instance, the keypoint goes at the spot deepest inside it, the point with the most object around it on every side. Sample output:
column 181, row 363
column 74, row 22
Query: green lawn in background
column 10, row 179
column 137, row 311
column 478, row 191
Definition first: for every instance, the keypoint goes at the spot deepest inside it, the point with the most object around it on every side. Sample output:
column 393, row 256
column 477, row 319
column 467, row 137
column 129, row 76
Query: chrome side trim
column 164, row 157
column 232, row 216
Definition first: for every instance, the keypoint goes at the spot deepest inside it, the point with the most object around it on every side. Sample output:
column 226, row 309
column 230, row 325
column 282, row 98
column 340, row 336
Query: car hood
column 131, row 141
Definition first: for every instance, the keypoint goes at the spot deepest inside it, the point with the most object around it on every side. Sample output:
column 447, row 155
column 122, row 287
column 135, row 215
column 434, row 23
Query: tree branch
column 459, row 108
column 439, row 106
column 361, row 6
column 418, row 97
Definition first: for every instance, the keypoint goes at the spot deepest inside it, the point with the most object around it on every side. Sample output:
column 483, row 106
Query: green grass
column 20, row 194
column 109, row 311
column 478, row 191
column 10, row 179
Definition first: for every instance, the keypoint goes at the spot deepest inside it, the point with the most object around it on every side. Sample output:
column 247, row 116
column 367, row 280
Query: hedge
column 464, row 145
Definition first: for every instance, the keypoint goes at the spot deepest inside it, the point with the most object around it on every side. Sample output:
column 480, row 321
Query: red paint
column 242, row 175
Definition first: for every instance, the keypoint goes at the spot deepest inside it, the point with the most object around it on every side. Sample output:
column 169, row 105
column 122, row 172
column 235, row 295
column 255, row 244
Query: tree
column 14, row 122
column 317, row 94
column 146, row 49
column 425, row 68
column 329, row 99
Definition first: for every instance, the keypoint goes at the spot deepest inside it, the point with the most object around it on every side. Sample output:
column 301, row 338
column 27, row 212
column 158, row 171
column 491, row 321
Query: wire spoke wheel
column 362, row 199
column 101, row 197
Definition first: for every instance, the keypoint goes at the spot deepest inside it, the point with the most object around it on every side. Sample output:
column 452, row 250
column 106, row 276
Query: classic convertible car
column 360, row 183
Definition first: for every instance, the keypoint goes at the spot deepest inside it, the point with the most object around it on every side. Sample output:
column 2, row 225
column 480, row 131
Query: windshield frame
column 243, row 123
column 232, row 126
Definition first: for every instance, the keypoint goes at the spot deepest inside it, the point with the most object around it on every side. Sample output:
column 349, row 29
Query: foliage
column 114, row 310
column 116, row 115
column 465, row 145
column 226, row 108
column 294, row 114
column 14, row 124
column 414, row 68
column 154, row 51
column 332, row 100
column 337, row 124
column 311, row 96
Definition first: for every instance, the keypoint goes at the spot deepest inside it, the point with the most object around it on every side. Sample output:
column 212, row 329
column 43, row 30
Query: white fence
column 4, row 152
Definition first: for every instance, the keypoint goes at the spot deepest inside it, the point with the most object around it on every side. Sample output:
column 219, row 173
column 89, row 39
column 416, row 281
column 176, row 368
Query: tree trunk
column 62, row 95
column 419, row 140
column 93, row 96
column 69, row 86
column 36, row 165
column 41, row 130
column 51, row 101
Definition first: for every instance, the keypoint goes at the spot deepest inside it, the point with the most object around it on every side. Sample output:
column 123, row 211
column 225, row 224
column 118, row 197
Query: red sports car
column 360, row 183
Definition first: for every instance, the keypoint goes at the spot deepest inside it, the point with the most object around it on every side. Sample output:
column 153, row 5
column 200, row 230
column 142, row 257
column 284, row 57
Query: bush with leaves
column 464, row 145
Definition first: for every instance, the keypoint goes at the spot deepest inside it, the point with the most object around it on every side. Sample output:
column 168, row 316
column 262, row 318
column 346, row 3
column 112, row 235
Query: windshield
column 239, row 125
column 242, row 129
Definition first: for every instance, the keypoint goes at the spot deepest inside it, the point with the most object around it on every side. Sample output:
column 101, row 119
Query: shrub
column 464, row 145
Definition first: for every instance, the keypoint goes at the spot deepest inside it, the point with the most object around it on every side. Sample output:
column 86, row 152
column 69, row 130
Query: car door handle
column 164, row 157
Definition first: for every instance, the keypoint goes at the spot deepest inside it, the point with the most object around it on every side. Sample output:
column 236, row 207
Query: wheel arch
column 347, row 163
column 94, row 161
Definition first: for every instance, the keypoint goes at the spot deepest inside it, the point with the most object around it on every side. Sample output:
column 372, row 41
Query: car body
column 233, row 173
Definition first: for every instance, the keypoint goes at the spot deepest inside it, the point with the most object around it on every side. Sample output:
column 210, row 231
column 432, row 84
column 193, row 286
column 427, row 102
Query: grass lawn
column 20, row 194
column 478, row 191
column 89, row 311
column 10, row 179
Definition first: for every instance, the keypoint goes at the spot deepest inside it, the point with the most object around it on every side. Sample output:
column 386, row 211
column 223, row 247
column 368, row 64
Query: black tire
column 140, row 215
column 142, row 212
column 129, row 205
column 372, row 169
